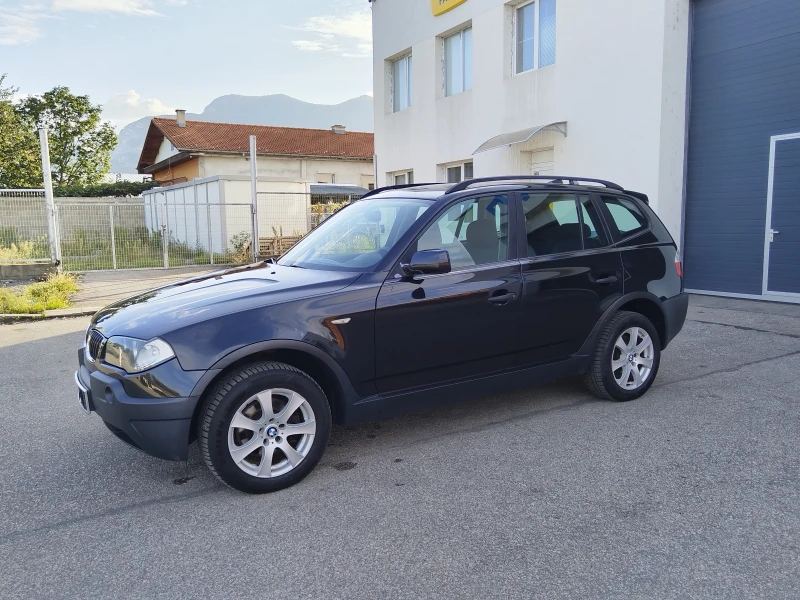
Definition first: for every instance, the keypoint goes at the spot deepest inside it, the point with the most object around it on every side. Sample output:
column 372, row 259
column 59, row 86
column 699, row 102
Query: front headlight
column 135, row 356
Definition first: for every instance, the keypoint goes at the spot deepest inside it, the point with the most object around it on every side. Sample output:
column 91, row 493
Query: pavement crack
column 743, row 328
column 727, row 370
column 17, row 535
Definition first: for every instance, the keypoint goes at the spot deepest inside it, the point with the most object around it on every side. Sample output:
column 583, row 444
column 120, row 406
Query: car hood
column 198, row 299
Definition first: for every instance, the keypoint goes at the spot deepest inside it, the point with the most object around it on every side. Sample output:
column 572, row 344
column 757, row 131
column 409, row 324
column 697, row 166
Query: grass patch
column 38, row 297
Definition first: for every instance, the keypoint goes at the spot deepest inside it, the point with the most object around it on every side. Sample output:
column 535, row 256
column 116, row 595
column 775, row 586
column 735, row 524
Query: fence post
column 52, row 230
column 113, row 237
column 164, row 242
column 254, row 194
column 210, row 236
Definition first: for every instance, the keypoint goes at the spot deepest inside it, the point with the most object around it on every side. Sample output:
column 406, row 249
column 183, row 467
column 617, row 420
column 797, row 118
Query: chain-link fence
column 23, row 227
column 170, row 227
column 99, row 236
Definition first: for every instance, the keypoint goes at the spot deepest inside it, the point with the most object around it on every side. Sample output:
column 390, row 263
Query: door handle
column 502, row 299
column 607, row 280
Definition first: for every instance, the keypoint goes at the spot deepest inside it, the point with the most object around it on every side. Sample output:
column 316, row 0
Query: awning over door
column 518, row 137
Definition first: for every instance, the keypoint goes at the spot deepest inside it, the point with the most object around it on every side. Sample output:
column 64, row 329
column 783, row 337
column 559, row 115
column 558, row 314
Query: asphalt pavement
column 689, row 492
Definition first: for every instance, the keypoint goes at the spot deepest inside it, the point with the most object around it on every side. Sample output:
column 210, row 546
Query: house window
column 402, row 178
column 401, row 83
column 459, row 172
column 458, row 62
column 535, row 30
column 326, row 178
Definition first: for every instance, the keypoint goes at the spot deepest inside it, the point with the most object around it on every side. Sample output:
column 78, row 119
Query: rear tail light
column 678, row 265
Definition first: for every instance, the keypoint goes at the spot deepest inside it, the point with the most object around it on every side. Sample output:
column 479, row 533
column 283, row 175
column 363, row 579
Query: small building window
column 401, row 83
column 458, row 62
column 458, row 173
column 535, row 31
column 402, row 178
column 326, row 178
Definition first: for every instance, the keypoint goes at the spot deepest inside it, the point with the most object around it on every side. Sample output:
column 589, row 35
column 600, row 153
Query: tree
column 20, row 164
column 80, row 142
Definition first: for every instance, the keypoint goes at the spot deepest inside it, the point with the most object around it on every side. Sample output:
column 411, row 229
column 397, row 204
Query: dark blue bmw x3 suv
column 411, row 297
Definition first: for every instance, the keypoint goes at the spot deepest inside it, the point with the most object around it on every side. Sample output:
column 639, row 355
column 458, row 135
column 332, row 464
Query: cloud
column 348, row 35
column 143, row 8
column 129, row 106
column 20, row 25
column 309, row 45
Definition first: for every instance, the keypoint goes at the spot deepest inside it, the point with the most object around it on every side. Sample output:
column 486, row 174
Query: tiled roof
column 199, row 136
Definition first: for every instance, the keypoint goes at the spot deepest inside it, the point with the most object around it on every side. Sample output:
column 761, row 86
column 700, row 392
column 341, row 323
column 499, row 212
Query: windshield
column 357, row 237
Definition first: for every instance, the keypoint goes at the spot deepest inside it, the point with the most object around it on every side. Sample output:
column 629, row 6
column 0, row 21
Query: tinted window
column 474, row 232
column 626, row 217
column 596, row 237
column 552, row 224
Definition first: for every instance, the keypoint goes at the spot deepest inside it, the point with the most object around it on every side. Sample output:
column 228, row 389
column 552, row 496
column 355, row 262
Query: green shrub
column 38, row 297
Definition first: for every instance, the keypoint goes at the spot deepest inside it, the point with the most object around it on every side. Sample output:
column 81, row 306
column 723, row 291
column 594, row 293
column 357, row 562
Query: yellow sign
column 439, row 7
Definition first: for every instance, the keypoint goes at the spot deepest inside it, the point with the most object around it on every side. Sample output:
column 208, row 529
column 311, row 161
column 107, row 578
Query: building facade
column 176, row 151
column 693, row 102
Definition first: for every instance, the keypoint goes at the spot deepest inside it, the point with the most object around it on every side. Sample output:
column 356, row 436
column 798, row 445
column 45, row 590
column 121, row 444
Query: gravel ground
column 690, row 492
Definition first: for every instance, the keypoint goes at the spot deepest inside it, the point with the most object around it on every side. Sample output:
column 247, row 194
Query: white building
column 176, row 151
column 679, row 99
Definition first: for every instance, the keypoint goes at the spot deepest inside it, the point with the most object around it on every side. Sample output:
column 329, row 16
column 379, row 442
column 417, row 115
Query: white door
column 782, row 243
column 543, row 162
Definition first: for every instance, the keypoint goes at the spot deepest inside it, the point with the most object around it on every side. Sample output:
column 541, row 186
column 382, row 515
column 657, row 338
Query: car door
column 570, row 273
column 442, row 327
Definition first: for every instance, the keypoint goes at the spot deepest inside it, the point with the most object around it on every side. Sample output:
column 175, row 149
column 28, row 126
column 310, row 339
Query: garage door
column 745, row 108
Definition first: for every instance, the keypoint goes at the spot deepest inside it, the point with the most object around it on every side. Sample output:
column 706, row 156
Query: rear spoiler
column 640, row 196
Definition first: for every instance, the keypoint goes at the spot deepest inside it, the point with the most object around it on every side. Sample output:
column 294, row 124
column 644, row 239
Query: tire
column 614, row 350
column 256, row 453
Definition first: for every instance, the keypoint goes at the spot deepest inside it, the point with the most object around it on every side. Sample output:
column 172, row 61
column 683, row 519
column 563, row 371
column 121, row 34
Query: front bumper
column 145, row 410
column 675, row 310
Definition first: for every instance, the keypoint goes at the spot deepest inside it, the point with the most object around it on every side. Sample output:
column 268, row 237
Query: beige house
column 177, row 151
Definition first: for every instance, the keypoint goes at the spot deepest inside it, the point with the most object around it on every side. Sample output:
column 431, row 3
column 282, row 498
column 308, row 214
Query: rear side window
column 553, row 224
column 626, row 218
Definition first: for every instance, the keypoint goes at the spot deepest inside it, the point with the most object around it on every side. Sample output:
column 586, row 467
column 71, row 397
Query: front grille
column 96, row 345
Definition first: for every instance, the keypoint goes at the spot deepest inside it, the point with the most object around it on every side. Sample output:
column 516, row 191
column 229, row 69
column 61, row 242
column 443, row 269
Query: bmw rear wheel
column 626, row 359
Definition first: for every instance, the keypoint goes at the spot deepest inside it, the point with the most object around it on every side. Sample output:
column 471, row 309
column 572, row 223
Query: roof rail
column 551, row 178
column 394, row 187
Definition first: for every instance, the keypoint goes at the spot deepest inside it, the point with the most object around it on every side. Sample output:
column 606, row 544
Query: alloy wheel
column 271, row 433
column 632, row 358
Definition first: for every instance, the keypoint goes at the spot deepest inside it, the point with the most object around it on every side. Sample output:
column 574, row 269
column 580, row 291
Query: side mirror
column 427, row 262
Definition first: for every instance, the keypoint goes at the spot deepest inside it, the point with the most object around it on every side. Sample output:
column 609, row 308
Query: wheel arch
column 312, row 361
column 645, row 304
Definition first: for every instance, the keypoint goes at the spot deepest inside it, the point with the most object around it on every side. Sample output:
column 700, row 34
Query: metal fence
column 23, row 226
column 174, row 229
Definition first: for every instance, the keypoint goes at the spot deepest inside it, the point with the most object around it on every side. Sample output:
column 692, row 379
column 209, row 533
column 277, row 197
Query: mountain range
column 277, row 109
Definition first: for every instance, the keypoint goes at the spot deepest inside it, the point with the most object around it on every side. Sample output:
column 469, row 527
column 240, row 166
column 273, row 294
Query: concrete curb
column 61, row 313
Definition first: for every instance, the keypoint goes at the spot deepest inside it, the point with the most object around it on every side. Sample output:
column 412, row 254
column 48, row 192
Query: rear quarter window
column 626, row 218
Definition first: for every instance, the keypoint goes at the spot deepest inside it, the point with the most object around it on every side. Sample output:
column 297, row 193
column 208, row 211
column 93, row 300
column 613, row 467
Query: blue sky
column 139, row 57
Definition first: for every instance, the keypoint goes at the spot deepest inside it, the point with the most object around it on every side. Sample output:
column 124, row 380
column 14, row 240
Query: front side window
column 401, row 83
column 357, row 237
column 458, row 62
column 535, row 31
column 474, row 232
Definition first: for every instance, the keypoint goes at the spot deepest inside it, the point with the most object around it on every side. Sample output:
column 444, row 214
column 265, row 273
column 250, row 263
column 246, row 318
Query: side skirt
column 419, row 399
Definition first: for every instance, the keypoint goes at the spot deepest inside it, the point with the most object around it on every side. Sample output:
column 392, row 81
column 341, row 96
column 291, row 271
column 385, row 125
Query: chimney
column 181, row 114
column 339, row 129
